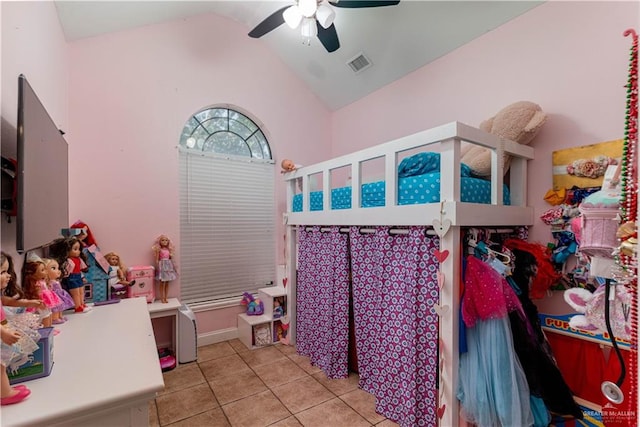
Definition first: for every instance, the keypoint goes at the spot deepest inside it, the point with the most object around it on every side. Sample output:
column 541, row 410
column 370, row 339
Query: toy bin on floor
column 144, row 282
column 39, row 364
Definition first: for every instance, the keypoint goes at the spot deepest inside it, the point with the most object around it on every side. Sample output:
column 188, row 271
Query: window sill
column 214, row 305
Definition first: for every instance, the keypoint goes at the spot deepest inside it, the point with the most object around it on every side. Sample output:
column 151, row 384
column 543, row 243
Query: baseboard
column 217, row 336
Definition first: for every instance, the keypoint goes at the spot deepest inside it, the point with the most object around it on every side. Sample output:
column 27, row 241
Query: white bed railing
column 447, row 140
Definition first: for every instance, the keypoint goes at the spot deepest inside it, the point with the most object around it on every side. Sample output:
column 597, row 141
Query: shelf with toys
column 266, row 321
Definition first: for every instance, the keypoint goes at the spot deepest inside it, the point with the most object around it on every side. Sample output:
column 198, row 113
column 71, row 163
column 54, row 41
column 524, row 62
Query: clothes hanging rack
column 368, row 230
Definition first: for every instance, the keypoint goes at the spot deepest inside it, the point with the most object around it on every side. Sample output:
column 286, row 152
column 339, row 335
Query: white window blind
column 227, row 225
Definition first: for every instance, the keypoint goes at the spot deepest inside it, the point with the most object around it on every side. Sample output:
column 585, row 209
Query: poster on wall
column 584, row 167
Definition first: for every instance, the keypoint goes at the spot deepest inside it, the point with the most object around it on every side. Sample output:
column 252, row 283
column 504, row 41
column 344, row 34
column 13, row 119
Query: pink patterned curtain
column 322, row 324
column 394, row 287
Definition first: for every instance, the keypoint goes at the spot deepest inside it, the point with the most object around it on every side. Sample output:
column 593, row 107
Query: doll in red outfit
column 73, row 267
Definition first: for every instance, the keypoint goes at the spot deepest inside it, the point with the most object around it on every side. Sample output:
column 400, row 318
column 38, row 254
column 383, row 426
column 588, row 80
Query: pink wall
column 131, row 94
column 32, row 44
column 569, row 57
column 123, row 99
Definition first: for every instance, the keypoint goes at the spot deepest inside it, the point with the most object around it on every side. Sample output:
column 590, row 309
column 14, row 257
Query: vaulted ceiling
column 396, row 40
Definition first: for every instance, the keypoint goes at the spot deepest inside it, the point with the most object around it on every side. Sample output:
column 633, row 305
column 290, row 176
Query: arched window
column 227, row 206
column 225, row 131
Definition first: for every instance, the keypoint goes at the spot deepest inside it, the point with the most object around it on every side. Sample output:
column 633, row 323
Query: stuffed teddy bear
column 592, row 305
column 518, row 122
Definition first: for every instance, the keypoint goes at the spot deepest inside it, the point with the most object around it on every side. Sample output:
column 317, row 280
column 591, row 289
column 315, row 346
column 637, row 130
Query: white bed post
column 449, row 322
column 497, row 173
column 291, row 275
column 449, row 294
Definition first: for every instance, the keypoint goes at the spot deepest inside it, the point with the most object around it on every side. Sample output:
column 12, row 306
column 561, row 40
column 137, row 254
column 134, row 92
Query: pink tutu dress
column 50, row 298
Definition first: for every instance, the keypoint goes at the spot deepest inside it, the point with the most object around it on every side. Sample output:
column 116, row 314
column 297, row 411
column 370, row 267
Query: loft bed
column 304, row 209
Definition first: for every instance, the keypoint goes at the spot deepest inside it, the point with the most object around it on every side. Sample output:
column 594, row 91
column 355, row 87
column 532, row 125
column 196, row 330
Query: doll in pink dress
column 165, row 269
column 34, row 284
column 53, row 282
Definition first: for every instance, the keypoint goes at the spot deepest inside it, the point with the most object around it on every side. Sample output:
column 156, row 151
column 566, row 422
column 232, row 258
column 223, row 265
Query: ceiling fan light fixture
column 309, row 29
column 325, row 15
column 307, row 7
column 292, row 17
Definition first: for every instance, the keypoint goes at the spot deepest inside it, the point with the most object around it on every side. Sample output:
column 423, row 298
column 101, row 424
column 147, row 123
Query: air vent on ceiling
column 359, row 63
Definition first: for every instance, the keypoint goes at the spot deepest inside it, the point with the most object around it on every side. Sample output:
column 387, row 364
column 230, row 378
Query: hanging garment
column 492, row 386
column 534, row 352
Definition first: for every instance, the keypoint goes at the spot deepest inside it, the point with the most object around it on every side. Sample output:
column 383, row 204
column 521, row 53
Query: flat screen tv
column 43, row 173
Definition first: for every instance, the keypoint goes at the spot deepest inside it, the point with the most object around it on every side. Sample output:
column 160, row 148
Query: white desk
column 105, row 372
column 158, row 309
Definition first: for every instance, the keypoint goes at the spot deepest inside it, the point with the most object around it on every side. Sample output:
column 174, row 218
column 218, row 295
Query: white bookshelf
column 251, row 329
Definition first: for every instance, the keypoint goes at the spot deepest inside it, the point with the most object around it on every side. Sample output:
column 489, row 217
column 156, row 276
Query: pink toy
column 591, row 306
column 142, row 278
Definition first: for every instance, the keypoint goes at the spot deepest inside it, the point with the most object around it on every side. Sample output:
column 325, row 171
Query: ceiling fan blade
column 272, row 22
column 364, row 3
column 328, row 37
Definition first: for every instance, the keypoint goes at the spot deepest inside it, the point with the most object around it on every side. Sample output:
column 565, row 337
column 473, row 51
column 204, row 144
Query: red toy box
column 144, row 285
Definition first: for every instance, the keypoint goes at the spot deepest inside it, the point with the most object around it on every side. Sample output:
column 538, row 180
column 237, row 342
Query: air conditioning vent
column 359, row 63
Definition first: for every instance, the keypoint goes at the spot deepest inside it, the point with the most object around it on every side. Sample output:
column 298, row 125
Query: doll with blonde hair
column 53, row 282
column 117, row 270
column 164, row 251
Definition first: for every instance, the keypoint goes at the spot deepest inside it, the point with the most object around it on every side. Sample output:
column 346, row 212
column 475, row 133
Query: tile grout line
column 269, row 388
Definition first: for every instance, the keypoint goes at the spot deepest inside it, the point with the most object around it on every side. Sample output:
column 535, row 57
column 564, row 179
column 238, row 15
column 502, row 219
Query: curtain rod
column 404, row 231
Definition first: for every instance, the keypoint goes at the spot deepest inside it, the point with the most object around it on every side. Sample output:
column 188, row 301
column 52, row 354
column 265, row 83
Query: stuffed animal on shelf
column 254, row 306
column 591, row 306
column 518, row 122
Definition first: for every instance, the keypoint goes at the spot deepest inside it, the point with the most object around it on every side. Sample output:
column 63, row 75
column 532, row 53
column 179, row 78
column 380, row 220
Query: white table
column 105, row 372
column 158, row 309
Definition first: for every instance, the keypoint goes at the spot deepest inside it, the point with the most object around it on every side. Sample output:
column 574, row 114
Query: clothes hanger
column 484, row 249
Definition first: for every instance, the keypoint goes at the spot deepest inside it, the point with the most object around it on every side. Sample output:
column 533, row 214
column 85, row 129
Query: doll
column 34, row 283
column 74, row 263
column 16, row 344
column 278, row 309
column 53, row 282
column 12, row 294
column 86, row 236
column 165, row 269
column 117, row 271
column 288, row 166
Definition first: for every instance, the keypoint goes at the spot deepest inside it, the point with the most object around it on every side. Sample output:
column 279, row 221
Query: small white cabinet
column 271, row 326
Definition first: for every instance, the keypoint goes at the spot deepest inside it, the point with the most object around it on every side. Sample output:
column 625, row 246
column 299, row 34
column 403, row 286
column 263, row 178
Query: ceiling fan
column 315, row 18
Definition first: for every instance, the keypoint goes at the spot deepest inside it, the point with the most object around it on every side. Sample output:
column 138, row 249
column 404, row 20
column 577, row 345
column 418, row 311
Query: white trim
column 215, row 337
